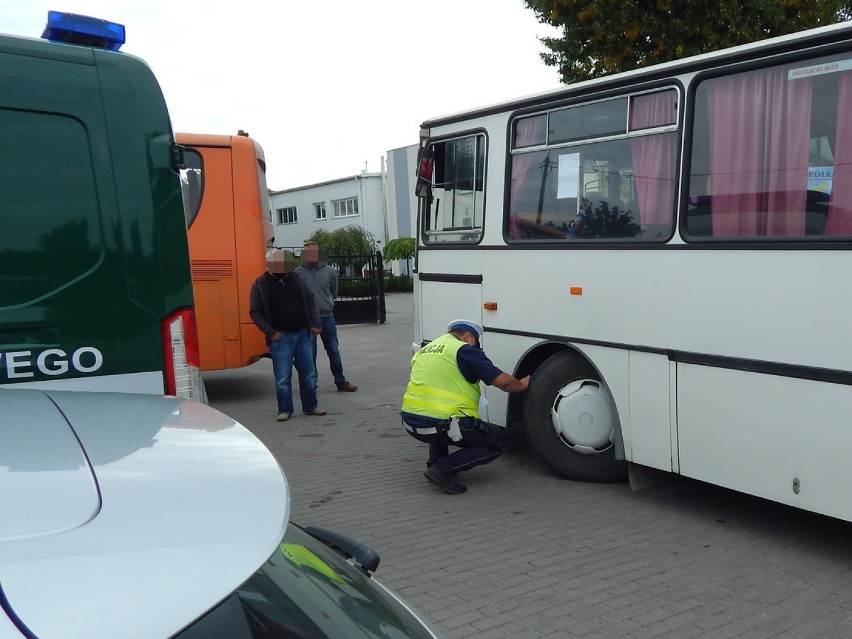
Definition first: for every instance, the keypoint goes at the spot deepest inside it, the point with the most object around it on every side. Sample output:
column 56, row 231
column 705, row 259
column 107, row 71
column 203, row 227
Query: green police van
column 95, row 284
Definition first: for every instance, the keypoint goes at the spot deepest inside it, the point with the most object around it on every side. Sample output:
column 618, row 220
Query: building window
column 345, row 208
column 319, row 211
column 287, row 215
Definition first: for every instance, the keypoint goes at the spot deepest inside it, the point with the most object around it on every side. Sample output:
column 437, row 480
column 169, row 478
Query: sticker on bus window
column 819, row 178
column 569, row 176
column 819, row 69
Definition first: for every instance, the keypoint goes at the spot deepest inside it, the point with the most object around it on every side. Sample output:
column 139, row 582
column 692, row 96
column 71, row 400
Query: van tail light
column 180, row 347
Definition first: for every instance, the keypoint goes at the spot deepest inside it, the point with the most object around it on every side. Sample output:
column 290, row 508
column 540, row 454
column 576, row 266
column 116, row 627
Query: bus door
column 445, row 297
column 448, row 282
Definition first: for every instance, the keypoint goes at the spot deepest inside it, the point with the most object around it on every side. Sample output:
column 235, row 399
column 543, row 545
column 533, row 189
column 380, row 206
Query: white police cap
column 467, row 325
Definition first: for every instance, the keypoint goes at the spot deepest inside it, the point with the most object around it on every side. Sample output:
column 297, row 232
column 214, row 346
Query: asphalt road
column 525, row 554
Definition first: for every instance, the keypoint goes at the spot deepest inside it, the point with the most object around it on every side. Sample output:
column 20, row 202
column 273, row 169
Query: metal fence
column 360, row 287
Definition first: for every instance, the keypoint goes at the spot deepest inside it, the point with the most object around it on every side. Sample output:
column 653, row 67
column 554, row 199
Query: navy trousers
column 479, row 444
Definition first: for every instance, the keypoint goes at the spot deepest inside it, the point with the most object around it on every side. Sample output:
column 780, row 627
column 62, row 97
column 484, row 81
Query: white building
column 382, row 203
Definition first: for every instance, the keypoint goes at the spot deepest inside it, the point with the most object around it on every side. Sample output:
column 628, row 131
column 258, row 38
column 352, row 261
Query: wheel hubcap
column 583, row 417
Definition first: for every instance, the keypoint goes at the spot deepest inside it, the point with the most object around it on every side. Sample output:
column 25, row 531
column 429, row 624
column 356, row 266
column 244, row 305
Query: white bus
column 668, row 253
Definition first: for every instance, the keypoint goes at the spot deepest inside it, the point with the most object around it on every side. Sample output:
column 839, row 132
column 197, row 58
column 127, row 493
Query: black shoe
column 445, row 481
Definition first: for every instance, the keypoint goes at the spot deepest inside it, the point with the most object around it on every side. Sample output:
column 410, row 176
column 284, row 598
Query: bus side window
column 602, row 171
column 770, row 153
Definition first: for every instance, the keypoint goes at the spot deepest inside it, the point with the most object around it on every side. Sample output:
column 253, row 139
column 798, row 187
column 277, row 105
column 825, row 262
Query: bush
column 353, row 288
column 398, row 283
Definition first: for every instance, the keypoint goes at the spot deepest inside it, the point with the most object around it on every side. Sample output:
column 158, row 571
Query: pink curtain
column 839, row 221
column 654, row 156
column 759, row 134
column 528, row 131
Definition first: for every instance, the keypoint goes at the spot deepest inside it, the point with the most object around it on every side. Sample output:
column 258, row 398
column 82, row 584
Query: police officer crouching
column 441, row 403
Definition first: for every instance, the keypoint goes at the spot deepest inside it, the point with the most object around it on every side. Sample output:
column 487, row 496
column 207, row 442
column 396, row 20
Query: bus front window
column 454, row 205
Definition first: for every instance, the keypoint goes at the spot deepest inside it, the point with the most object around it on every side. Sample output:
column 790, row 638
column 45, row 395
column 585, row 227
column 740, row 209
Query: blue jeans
column 332, row 348
column 290, row 349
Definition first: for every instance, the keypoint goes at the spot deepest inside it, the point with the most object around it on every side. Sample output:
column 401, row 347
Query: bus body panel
column 649, row 428
column 227, row 246
column 766, row 435
column 92, row 250
column 217, row 331
column 737, row 295
column 727, row 361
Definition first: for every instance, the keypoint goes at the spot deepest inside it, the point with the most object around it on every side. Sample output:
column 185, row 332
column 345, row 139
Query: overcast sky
column 327, row 88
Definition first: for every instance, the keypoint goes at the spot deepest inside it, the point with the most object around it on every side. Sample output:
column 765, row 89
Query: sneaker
column 282, row 417
column 316, row 411
column 347, row 387
column 445, row 481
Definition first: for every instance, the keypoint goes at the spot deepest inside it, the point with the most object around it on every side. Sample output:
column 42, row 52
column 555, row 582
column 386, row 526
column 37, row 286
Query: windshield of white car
column 307, row 590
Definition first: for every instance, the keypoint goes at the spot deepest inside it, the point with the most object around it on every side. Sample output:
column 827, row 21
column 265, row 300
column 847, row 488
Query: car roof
column 126, row 514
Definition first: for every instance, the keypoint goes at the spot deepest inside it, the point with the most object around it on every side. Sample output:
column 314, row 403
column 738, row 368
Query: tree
column 321, row 238
column 402, row 248
column 600, row 37
column 347, row 246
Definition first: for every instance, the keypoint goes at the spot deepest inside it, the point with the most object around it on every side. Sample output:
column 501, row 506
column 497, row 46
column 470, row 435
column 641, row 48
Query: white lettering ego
column 52, row 361
column 77, row 359
column 15, row 361
column 54, row 366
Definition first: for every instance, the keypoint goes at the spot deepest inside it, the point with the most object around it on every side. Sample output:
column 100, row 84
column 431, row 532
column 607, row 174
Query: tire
column 570, row 418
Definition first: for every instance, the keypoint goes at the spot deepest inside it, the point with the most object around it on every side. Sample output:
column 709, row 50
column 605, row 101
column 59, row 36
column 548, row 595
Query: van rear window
column 50, row 229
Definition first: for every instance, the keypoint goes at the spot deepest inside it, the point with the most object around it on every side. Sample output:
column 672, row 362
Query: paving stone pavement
column 523, row 553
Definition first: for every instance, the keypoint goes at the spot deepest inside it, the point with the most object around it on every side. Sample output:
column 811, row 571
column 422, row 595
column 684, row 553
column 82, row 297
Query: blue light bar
column 72, row 28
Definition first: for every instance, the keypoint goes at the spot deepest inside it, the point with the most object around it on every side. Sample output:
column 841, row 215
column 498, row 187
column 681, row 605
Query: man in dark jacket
column 283, row 308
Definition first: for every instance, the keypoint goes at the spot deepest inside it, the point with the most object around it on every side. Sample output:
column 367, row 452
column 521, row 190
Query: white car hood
column 128, row 515
column 41, row 458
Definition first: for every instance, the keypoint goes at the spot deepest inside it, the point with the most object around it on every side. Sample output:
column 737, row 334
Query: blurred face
column 280, row 263
column 471, row 339
column 312, row 255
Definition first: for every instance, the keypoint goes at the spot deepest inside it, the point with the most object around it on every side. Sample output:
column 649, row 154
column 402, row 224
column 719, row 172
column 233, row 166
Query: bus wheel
column 570, row 418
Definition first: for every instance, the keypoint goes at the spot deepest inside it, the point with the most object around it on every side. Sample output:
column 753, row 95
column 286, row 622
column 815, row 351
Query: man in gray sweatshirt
column 322, row 279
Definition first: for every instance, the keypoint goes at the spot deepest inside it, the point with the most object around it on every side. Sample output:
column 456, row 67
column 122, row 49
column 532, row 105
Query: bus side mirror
column 423, row 186
column 178, row 157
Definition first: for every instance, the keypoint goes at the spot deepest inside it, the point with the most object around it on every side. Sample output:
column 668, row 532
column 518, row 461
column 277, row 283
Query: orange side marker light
column 490, row 306
column 576, row 290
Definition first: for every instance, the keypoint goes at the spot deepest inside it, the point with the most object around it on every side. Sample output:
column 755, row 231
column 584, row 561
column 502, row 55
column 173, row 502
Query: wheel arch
column 527, row 365
column 530, row 362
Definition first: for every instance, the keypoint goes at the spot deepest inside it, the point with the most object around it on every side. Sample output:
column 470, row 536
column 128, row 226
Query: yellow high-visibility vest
column 436, row 387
